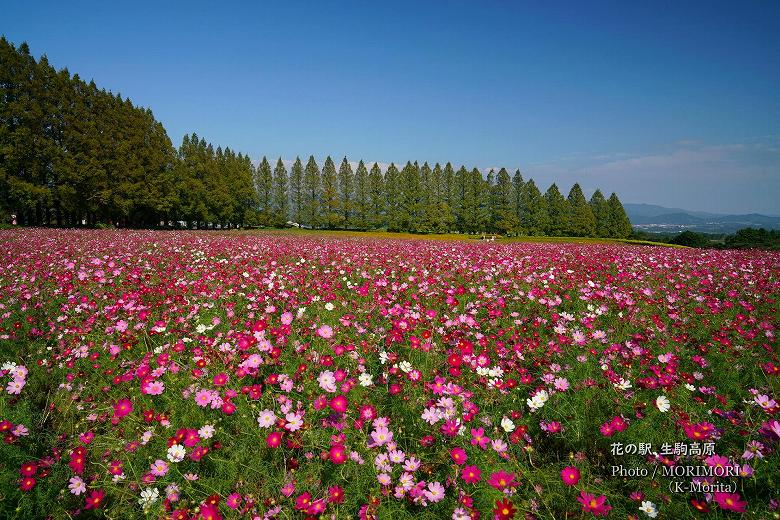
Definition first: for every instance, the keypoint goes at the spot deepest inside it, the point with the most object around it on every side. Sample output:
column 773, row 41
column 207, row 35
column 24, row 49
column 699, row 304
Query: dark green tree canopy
column 558, row 212
column 619, row 226
column 581, row 223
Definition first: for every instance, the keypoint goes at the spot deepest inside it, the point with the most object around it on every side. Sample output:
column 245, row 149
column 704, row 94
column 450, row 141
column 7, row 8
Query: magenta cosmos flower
column 274, row 439
column 122, row 408
column 590, row 503
column 730, row 502
column 458, row 455
column 502, row 480
column 570, row 475
column 338, row 454
column 339, row 404
column 471, row 475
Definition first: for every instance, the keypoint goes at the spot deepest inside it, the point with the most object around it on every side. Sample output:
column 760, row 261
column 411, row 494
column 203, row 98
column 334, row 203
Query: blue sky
column 670, row 103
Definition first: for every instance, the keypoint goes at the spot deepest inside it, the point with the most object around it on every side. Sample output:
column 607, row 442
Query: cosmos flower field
column 203, row 375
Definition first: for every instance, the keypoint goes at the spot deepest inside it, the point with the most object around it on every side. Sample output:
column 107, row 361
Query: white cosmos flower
column 266, row 419
column 538, row 400
column 148, row 497
column 207, row 431
column 649, row 509
column 507, row 424
column 176, row 453
column 662, row 402
column 366, row 379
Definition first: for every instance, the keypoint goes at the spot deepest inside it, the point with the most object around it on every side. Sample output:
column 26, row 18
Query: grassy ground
column 451, row 237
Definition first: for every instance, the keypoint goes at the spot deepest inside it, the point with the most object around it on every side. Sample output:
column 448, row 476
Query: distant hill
column 660, row 219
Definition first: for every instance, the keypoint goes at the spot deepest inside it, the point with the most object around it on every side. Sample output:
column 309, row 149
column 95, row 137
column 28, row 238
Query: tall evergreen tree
column 425, row 198
column 279, row 197
column 506, row 219
column 331, row 203
column 312, row 189
column 346, row 192
column 297, row 191
column 436, row 185
column 582, row 223
column 482, row 192
column 558, row 212
column 392, row 194
column 465, row 201
column 190, row 172
column 450, row 195
column 533, row 210
column 492, row 201
column 409, row 212
column 264, row 186
column 438, row 214
column 361, row 203
column 518, row 185
column 619, row 224
column 600, row 209
column 450, row 192
column 376, row 198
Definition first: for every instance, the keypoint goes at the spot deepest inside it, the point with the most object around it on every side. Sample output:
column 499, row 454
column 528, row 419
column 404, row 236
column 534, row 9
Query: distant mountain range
column 659, row 219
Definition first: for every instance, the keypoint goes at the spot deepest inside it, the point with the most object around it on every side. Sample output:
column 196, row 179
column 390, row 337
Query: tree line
column 424, row 199
column 74, row 154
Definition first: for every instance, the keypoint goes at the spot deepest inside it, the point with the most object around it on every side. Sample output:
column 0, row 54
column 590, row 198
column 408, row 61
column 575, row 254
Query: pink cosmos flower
column 458, row 456
column 77, row 485
column 570, row 475
column 122, row 408
column 730, row 502
column 338, row 454
column 15, row 386
column 303, row 501
column 159, row 468
column 325, row 331
column 435, row 492
column 471, row 474
column 203, row 397
column 717, row 461
column 412, row 464
column 597, row 506
column 274, row 439
column 339, row 404
column 288, row 489
column 154, row 388
column 502, row 480
column 233, row 500
column 478, row 438
column 381, row 435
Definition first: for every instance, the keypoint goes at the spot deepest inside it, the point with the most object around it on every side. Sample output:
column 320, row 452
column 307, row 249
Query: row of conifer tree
column 427, row 199
column 74, row 154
